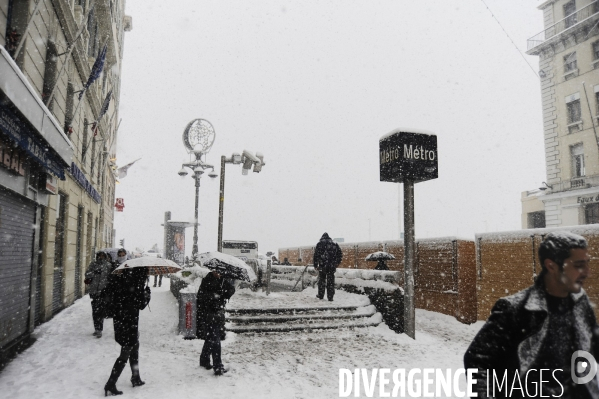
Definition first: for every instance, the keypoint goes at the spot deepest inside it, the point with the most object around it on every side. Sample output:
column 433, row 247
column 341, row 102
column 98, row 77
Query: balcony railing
column 560, row 26
column 576, row 183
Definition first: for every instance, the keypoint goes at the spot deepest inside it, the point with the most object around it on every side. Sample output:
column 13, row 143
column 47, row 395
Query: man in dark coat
column 127, row 299
column 97, row 279
column 531, row 336
column 211, row 300
column 327, row 256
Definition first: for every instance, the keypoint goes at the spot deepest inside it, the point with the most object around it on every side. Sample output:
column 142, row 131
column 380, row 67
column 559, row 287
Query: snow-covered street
column 68, row 362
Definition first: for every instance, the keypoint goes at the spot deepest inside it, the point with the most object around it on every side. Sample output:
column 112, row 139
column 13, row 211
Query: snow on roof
column 592, row 229
column 407, row 130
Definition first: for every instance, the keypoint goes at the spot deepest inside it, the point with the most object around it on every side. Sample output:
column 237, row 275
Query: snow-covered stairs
column 304, row 318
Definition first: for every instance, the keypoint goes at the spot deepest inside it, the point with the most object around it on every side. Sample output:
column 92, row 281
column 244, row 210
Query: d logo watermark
column 578, row 366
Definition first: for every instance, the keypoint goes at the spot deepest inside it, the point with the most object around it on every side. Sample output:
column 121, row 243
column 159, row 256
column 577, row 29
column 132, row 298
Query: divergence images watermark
column 431, row 382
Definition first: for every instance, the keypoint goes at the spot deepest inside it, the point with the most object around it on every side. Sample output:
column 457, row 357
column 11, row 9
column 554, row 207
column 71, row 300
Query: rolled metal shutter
column 57, row 291
column 38, row 281
column 17, row 218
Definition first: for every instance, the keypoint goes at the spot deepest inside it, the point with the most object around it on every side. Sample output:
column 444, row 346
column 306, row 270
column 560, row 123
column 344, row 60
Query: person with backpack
column 327, row 257
column 96, row 278
column 127, row 297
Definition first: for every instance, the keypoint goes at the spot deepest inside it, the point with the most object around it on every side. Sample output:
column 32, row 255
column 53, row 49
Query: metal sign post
column 409, row 256
column 408, row 156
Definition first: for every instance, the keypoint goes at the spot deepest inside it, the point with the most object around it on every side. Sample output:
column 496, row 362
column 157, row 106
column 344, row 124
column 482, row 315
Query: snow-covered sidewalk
column 68, row 362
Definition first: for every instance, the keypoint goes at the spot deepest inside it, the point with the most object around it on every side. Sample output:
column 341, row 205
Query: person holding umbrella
column 128, row 298
column 212, row 297
column 215, row 289
column 380, row 257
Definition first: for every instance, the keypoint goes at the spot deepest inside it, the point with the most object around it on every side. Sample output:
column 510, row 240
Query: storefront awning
column 36, row 131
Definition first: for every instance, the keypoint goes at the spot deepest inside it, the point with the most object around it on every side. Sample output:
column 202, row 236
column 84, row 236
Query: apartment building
column 58, row 127
column 568, row 50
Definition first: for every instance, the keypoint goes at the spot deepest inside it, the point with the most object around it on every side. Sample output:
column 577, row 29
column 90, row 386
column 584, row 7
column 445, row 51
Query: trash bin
column 187, row 315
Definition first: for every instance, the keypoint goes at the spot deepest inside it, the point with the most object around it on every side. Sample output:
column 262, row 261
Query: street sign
column 408, row 154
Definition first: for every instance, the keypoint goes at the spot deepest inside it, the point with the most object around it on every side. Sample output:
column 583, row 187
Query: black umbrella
column 227, row 266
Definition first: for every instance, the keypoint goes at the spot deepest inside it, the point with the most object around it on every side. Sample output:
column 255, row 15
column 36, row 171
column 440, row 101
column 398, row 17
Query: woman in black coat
column 212, row 296
column 127, row 294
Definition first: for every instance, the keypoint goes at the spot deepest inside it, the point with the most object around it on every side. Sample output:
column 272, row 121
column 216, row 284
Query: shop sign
column 12, row 158
column 120, row 204
column 28, row 140
column 405, row 155
column 83, row 182
column 51, row 184
column 588, row 200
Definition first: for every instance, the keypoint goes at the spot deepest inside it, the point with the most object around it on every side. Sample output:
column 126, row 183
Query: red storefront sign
column 120, row 204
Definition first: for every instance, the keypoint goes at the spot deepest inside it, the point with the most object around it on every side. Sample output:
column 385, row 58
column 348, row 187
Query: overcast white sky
column 313, row 85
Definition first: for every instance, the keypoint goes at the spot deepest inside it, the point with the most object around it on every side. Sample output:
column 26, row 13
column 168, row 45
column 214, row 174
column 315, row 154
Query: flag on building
column 96, row 71
column 122, row 171
column 105, row 105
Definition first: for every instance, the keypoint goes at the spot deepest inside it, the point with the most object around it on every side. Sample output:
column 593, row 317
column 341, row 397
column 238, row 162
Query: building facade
column 568, row 50
column 57, row 148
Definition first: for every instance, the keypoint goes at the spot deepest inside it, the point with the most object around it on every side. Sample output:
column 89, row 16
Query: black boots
column 111, row 387
column 136, row 381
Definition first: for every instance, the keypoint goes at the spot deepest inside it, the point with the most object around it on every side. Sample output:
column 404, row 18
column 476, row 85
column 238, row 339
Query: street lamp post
column 198, row 138
column 247, row 159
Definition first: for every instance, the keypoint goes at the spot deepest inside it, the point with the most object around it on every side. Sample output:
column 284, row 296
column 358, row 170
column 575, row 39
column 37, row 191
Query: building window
column 93, row 158
column 597, row 99
column 591, row 214
column 92, row 28
column 577, row 152
column 84, row 143
column 570, row 13
column 570, row 63
column 573, row 108
column 536, row 220
column 51, row 72
column 596, row 50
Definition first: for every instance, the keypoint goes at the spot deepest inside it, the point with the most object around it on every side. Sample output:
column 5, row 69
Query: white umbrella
column 156, row 266
column 228, row 266
column 380, row 255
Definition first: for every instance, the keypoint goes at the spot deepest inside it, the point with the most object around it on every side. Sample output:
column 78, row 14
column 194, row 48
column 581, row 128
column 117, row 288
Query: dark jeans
column 159, row 278
column 98, row 312
column 212, row 346
column 326, row 279
column 130, row 353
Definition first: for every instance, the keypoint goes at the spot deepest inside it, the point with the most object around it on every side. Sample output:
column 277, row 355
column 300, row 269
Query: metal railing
column 576, row 183
column 564, row 24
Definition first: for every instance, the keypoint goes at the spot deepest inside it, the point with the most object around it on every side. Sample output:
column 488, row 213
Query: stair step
column 373, row 320
column 292, row 310
column 365, row 311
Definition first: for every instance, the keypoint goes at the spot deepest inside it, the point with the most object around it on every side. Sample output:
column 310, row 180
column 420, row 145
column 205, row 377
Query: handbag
column 146, row 298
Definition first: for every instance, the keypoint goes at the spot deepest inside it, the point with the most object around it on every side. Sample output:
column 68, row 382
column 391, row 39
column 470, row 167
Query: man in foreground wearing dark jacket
column 211, row 300
column 327, row 256
column 526, row 348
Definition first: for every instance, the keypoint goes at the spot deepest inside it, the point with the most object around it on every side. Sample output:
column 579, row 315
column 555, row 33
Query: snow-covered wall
column 445, row 270
column 508, row 262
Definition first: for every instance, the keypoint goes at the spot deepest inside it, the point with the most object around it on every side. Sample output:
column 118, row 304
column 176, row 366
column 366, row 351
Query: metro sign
column 408, row 154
